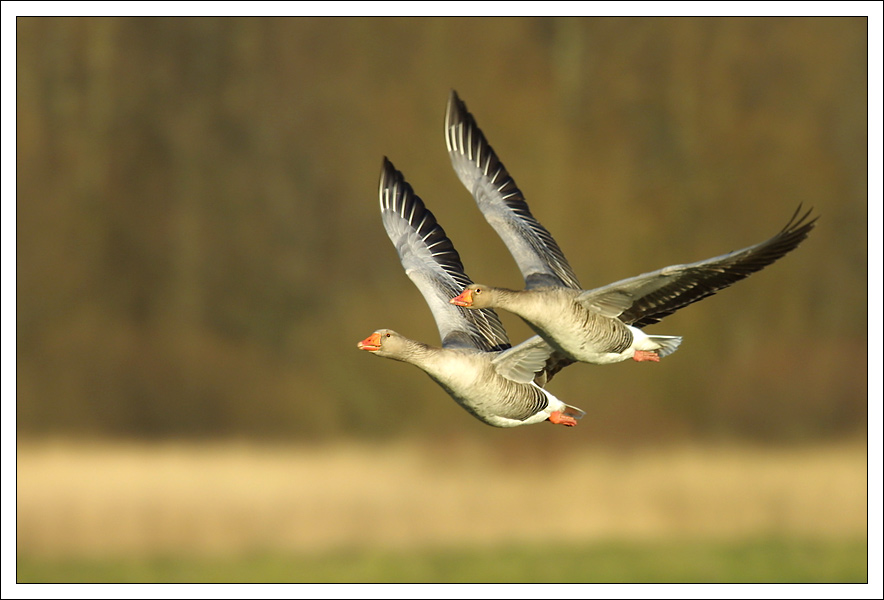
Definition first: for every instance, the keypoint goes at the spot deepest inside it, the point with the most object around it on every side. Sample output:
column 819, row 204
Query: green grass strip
column 772, row 560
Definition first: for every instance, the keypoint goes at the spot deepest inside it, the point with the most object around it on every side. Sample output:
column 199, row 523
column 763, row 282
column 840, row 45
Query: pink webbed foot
column 645, row 356
column 561, row 419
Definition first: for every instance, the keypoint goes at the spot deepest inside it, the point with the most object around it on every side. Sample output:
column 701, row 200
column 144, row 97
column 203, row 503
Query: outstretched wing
column 532, row 360
column 432, row 263
column 647, row 298
column 535, row 251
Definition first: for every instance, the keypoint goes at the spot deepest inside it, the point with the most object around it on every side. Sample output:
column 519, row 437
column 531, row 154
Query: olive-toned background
column 199, row 247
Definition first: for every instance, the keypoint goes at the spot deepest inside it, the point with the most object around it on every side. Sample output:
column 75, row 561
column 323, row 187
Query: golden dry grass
column 139, row 499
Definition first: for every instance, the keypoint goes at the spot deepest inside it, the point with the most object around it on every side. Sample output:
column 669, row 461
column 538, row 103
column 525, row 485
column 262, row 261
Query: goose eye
column 388, row 335
column 478, row 290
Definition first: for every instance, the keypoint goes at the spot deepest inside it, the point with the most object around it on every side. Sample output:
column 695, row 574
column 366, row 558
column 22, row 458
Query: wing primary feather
column 434, row 266
column 663, row 292
column 535, row 250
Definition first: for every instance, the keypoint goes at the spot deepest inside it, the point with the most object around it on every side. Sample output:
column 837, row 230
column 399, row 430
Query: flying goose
column 476, row 364
column 603, row 325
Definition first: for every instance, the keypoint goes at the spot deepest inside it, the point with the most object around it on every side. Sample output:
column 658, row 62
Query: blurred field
column 130, row 504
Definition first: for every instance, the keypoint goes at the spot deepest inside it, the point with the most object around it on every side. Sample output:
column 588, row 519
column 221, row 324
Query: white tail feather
column 667, row 343
column 573, row 411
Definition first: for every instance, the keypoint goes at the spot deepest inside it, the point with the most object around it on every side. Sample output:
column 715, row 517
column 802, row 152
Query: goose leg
column 560, row 419
column 645, row 356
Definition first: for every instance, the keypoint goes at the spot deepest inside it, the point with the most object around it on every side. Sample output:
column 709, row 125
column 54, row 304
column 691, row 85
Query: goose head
column 475, row 295
column 388, row 343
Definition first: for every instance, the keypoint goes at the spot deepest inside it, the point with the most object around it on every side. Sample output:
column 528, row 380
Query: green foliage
column 769, row 561
column 198, row 245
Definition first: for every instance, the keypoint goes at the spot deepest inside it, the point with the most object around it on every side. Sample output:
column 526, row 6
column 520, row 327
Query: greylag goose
column 603, row 325
column 476, row 364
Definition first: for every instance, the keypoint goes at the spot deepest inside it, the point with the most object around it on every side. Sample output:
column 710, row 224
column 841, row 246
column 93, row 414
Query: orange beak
column 372, row 343
column 464, row 299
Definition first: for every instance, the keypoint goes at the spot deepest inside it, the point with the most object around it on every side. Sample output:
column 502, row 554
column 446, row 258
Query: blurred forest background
column 199, row 247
